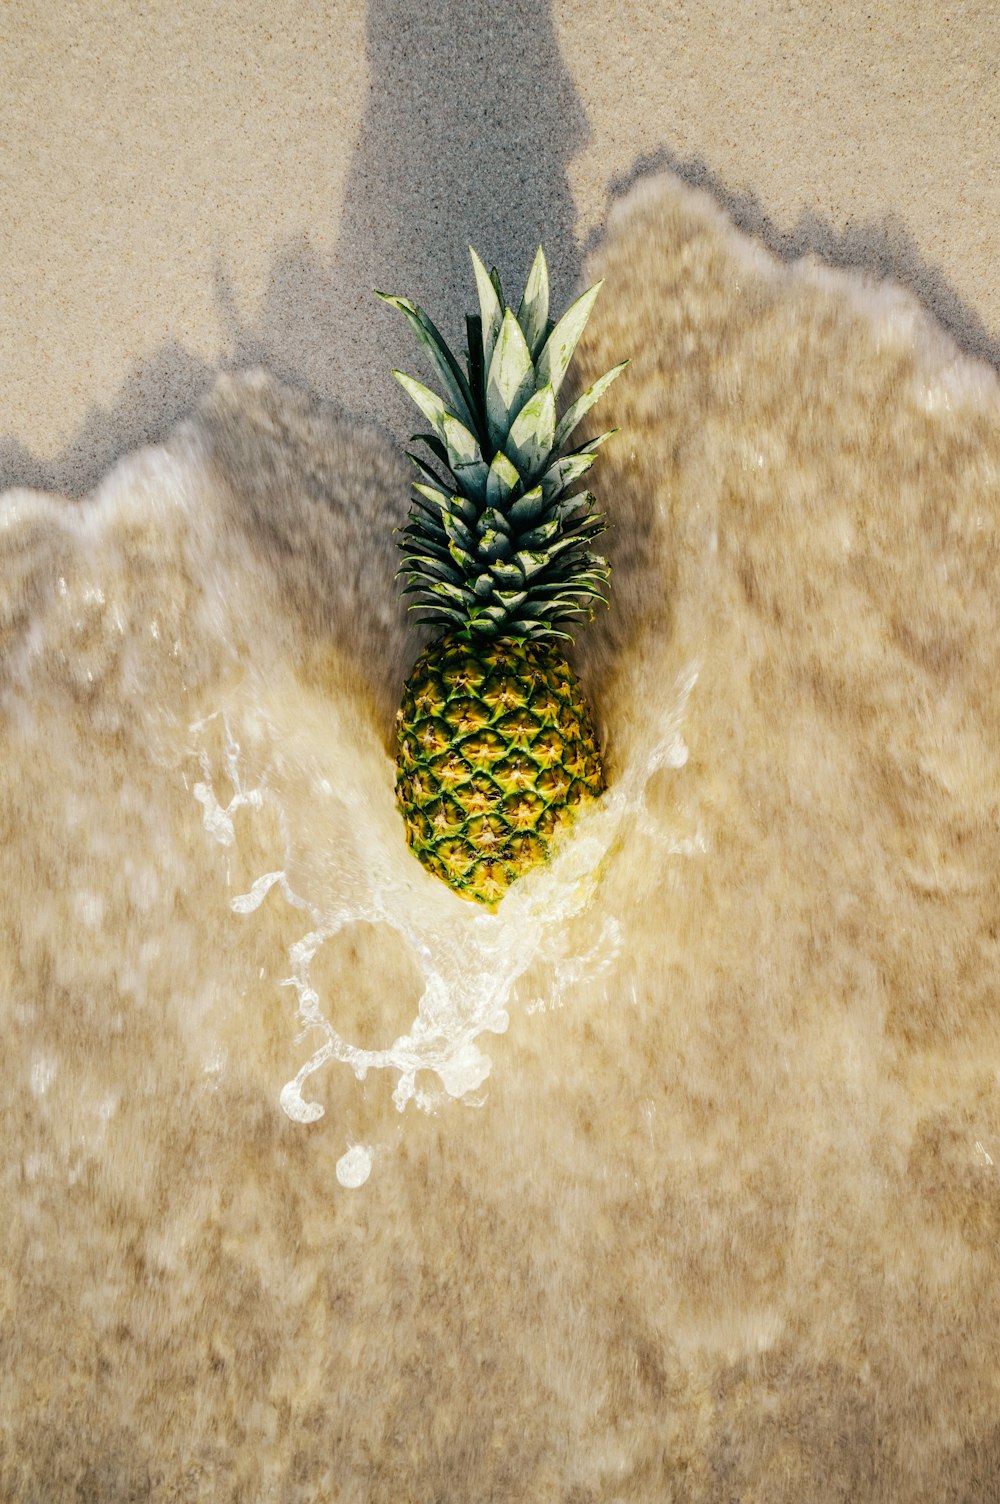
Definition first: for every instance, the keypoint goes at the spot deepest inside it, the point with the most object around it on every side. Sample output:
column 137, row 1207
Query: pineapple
column 496, row 747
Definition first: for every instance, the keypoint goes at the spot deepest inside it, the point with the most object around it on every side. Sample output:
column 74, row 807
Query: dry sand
column 186, row 187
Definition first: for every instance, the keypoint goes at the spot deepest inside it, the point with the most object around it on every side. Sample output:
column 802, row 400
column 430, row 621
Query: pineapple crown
column 498, row 544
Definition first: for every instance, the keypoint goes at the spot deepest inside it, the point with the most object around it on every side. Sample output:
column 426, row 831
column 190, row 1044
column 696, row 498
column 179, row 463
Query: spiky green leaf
column 592, row 445
column 563, row 473
column 429, row 338
column 539, row 536
column 458, row 532
column 435, row 446
column 520, row 627
column 477, row 370
column 419, row 565
column 582, row 405
column 472, row 480
column 491, row 309
column 429, row 403
column 510, row 379
column 527, row 507
column 530, row 561
column 425, row 470
column 494, row 546
column 502, row 479
column 465, row 457
column 532, row 432
column 533, row 314
column 445, row 588
column 439, row 499
column 561, row 343
column 508, row 573
column 494, row 519
column 511, row 600
column 460, row 442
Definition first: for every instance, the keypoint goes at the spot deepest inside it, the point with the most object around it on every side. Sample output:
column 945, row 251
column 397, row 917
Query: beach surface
column 678, row 1177
column 185, row 190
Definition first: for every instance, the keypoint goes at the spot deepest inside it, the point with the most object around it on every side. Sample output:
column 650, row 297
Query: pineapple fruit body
column 496, row 754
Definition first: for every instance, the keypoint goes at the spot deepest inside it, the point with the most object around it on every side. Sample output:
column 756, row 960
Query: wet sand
column 678, row 1178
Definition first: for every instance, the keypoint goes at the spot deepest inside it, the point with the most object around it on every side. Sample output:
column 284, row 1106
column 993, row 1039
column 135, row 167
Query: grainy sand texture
column 678, row 1178
column 187, row 186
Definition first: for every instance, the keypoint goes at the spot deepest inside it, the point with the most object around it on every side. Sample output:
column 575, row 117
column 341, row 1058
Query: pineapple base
column 496, row 755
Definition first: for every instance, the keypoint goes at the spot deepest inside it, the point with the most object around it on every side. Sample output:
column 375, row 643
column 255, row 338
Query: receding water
column 676, row 1177
column 469, row 959
column 138, row 599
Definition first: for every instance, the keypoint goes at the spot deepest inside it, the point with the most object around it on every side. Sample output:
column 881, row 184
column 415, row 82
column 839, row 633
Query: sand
column 183, row 190
column 677, row 1178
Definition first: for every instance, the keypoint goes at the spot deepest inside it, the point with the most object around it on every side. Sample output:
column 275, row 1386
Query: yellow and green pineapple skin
column 496, row 753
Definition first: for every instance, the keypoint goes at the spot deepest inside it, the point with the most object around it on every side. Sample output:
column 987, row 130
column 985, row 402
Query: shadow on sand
column 447, row 154
column 882, row 249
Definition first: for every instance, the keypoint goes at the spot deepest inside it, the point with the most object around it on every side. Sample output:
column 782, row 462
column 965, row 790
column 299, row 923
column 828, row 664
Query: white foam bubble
column 470, row 961
column 354, row 1167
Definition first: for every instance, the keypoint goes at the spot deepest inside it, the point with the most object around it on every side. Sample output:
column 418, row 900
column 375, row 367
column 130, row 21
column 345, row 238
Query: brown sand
column 183, row 188
column 723, row 1222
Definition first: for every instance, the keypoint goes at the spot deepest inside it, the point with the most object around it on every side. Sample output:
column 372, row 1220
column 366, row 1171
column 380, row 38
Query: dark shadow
column 884, row 248
column 154, row 396
column 471, row 122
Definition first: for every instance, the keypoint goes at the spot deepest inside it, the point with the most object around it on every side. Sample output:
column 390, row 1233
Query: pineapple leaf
column 532, row 432
column 444, row 363
column 502, row 479
column 421, row 532
column 429, row 403
column 562, row 544
column 435, row 446
column 531, row 562
column 582, row 405
column 477, row 370
column 510, row 379
column 494, row 546
column 533, row 314
column 449, row 591
column 460, row 442
column 592, row 445
column 563, row 473
column 437, row 618
column 493, row 518
column 522, row 628
column 464, row 560
column 437, row 498
column 497, row 614
column 458, row 532
column 460, row 506
column 510, row 599
column 508, row 574
column 425, row 469
column 561, row 343
column 465, row 458
column 539, row 535
column 491, row 308
column 495, row 279
column 472, row 479
column 424, row 564
column 526, row 508
column 568, row 507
